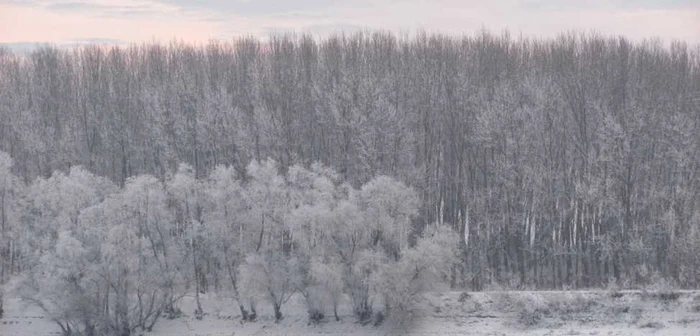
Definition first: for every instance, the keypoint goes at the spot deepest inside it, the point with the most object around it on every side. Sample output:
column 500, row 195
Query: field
column 551, row 313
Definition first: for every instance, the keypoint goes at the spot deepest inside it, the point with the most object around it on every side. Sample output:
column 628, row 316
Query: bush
column 668, row 296
column 173, row 313
column 617, row 295
column 379, row 319
column 464, row 297
column 665, row 296
column 316, row 316
column 567, row 307
column 696, row 304
column 364, row 314
column 653, row 325
column 531, row 317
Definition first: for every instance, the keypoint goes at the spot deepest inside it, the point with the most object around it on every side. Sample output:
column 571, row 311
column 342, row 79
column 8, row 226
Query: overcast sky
column 120, row 21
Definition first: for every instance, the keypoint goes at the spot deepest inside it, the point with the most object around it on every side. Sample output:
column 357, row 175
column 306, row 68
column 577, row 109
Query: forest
column 367, row 165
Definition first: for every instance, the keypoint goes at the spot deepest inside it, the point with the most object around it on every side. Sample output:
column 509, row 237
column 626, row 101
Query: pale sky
column 122, row 21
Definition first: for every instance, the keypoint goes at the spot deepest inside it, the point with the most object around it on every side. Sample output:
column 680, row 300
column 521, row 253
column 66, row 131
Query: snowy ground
column 449, row 313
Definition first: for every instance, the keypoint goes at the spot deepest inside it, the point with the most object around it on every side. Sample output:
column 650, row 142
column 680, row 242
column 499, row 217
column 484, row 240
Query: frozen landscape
column 359, row 182
column 542, row 313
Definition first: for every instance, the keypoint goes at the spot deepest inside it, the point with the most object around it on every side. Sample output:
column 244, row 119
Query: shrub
column 379, row 319
column 464, row 297
column 571, row 306
column 653, row 325
column 696, row 304
column 531, row 317
column 315, row 316
column 617, row 295
column 669, row 296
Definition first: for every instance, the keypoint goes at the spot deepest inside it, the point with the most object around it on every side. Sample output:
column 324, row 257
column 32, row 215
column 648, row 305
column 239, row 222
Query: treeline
column 567, row 162
column 99, row 259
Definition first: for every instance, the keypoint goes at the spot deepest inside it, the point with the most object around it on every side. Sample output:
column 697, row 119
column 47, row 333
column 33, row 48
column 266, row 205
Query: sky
column 26, row 22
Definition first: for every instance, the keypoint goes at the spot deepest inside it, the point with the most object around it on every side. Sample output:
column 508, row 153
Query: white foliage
column 389, row 206
column 134, row 251
column 420, row 269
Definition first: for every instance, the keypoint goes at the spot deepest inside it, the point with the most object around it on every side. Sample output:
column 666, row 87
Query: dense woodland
column 557, row 163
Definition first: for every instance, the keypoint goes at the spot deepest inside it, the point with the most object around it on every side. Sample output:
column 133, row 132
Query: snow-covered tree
column 62, row 254
column 65, row 284
column 388, row 206
column 425, row 267
column 185, row 199
column 10, row 191
column 270, row 269
column 228, row 226
column 314, row 195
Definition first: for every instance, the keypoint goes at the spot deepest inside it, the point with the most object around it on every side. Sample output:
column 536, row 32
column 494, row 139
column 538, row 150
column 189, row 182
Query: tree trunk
column 278, row 312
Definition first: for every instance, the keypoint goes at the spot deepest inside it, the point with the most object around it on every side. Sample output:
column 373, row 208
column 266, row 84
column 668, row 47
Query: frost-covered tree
column 10, row 210
column 365, row 231
column 230, row 235
column 140, row 218
column 65, row 285
column 388, row 207
column 325, row 286
column 185, row 200
column 62, row 254
column 314, row 195
column 55, row 203
column 425, row 267
column 270, row 270
column 115, row 269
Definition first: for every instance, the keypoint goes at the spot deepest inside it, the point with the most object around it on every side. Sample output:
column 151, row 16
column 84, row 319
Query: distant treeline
column 565, row 162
